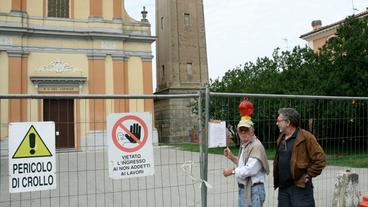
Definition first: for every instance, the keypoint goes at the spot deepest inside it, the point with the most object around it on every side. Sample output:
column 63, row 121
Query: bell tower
column 181, row 65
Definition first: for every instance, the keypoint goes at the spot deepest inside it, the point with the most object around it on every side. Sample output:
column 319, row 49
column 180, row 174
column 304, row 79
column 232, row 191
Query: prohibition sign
column 119, row 123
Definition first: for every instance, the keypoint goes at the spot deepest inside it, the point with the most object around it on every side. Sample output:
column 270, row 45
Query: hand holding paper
column 230, row 155
column 227, row 152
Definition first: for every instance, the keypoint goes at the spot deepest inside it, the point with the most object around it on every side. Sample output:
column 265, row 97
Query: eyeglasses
column 283, row 145
column 280, row 120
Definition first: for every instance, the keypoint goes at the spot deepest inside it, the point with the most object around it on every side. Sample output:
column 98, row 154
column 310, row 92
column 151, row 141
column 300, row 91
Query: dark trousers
column 294, row 196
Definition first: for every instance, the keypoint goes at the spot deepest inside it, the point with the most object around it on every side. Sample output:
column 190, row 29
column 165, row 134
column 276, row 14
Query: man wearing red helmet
column 252, row 166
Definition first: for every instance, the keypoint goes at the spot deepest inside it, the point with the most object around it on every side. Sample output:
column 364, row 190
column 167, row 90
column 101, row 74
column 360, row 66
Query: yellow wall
column 4, row 118
column 33, row 112
column 5, row 6
column 137, row 47
column 318, row 39
column 84, row 116
column 4, row 90
column 38, row 60
column 135, row 80
column 318, row 43
column 81, row 9
column 109, row 84
column 16, row 40
column 58, row 42
column 78, row 61
column 107, row 9
column 135, row 75
column 109, row 74
column 4, row 72
column 116, row 44
column 34, row 10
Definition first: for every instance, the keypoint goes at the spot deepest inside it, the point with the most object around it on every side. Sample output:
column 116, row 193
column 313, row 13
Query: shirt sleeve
column 251, row 168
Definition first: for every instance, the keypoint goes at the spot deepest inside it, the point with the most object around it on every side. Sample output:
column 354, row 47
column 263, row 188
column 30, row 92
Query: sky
column 238, row 31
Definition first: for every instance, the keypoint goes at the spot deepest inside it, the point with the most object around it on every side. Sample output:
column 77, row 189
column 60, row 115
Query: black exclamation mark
column 32, row 143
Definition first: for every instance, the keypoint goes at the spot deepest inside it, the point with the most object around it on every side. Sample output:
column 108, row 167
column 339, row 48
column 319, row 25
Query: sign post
column 31, row 156
column 130, row 145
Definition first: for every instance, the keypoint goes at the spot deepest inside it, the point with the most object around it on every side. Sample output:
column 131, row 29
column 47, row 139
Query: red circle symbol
column 119, row 124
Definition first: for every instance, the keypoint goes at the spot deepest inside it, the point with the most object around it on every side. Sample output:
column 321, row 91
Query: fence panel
column 82, row 158
column 339, row 123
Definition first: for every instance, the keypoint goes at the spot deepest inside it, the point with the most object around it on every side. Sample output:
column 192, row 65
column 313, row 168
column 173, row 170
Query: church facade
column 72, row 47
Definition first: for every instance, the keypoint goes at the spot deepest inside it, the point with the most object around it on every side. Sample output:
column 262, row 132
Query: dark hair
column 290, row 115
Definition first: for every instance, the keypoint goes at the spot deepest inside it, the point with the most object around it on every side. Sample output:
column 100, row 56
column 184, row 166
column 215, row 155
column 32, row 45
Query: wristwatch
column 233, row 172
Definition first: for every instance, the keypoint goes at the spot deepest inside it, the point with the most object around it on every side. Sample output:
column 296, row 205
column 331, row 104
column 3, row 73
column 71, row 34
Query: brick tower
column 181, row 65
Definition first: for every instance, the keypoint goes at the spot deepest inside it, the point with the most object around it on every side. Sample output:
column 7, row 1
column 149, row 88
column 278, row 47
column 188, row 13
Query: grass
column 219, row 150
column 353, row 159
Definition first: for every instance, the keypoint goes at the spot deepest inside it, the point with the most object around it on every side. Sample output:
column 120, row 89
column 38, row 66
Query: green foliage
column 346, row 56
column 340, row 68
column 352, row 159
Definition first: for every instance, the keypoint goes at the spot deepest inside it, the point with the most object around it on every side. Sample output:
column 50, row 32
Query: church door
column 61, row 111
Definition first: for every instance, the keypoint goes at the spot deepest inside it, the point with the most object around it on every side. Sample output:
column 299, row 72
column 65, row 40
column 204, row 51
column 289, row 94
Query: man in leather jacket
column 298, row 159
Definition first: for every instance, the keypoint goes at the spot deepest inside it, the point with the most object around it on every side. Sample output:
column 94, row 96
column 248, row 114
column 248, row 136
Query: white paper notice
column 217, row 134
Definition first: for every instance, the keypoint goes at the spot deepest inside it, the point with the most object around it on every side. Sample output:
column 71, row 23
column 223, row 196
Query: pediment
column 58, row 72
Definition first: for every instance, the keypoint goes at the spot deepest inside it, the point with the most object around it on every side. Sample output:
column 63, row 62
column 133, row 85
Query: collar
column 294, row 135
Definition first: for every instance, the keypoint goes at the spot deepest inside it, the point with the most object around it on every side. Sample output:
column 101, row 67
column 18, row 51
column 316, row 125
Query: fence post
column 204, row 149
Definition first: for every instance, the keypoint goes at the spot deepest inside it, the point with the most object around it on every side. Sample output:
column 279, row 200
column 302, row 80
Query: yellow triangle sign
column 32, row 145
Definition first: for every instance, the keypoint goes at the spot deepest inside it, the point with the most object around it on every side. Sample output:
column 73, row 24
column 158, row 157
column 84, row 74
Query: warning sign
column 32, row 146
column 31, row 156
column 136, row 136
column 130, row 145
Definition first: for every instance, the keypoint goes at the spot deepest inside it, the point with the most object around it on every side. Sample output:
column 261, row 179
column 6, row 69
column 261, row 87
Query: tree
column 343, row 61
column 339, row 68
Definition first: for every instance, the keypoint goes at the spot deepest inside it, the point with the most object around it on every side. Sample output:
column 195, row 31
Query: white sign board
column 31, row 156
column 130, row 145
column 216, row 134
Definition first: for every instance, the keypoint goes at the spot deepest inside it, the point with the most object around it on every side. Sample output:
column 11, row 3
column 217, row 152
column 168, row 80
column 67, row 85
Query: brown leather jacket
column 307, row 157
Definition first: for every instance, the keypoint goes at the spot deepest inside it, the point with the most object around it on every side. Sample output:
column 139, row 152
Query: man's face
column 244, row 134
column 282, row 123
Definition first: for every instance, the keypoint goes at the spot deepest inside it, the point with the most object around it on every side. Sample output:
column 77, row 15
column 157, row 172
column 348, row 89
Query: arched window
column 332, row 38
column 58, row 8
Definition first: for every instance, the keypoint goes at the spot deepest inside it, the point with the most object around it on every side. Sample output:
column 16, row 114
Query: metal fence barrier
column 339, row 123
column 82, row 163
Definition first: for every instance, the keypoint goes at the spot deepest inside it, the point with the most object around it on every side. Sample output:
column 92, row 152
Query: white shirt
column 253, row 169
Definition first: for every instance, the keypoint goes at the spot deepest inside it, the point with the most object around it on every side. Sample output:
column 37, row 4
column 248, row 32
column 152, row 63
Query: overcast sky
column 239, row 31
